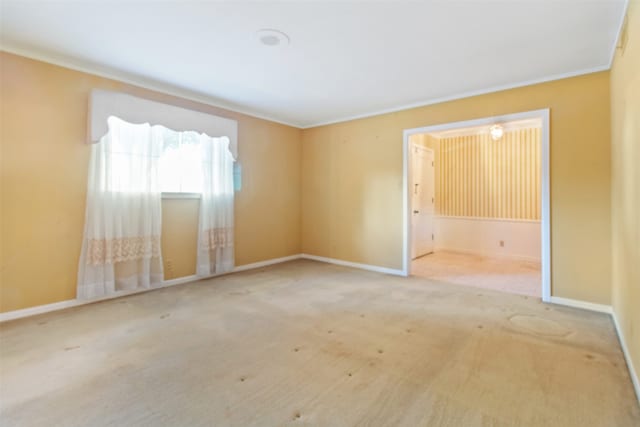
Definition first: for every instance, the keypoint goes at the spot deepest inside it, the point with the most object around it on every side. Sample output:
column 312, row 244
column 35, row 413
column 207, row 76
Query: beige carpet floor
column 306, row 343
column 500, row 274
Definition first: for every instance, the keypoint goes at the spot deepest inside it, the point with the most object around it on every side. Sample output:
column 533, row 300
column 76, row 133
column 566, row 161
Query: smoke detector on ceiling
column 270, row 37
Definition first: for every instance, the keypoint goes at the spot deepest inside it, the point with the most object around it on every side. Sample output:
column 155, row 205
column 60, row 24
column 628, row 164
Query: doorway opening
column 476, row 203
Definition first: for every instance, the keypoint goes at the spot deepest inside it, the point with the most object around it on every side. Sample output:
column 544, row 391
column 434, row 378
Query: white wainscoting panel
column 482, row 236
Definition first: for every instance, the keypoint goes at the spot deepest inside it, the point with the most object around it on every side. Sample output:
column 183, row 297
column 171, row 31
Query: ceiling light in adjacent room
column 496, row 132
column 269, row 37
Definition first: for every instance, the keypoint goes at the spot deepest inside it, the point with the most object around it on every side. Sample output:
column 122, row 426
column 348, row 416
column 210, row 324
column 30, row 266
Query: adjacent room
column 320, row 213
column 476, row 195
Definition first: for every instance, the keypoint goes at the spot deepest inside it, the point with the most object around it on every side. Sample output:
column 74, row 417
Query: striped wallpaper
column 480, row 177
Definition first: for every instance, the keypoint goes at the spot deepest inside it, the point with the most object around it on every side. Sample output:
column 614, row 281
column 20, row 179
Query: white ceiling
column 345, row 59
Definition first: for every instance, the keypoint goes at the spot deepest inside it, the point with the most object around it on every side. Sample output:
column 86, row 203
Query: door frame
column 422, row 147
column 544, row 116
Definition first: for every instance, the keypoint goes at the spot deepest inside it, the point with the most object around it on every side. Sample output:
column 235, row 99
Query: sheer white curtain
column 121, row 244
column 215, row 233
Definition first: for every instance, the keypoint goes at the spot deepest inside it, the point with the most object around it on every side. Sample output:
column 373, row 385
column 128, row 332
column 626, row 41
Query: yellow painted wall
column 352, row 180
column 43, row 177
column 425, row 140
column 350, row 174
column 179, row 237
column 625, row 142
column 482, row 178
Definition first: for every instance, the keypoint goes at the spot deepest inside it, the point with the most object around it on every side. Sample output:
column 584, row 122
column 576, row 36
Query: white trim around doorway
column 544, row 116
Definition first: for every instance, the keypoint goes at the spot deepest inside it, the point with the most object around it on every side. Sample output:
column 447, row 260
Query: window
column 181, row 162
column 129, row 167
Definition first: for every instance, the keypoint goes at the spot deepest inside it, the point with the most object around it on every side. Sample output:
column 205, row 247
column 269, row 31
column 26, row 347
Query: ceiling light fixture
column 270, row 37
column 496, row 132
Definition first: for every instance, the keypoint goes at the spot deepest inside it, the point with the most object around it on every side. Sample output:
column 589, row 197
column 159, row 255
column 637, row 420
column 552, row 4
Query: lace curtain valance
column 104, row 104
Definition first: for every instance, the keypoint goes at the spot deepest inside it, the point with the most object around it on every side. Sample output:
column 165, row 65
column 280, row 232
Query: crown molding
column 135, row 80
column 150, row 84
column 462, row 95
column 614, row 46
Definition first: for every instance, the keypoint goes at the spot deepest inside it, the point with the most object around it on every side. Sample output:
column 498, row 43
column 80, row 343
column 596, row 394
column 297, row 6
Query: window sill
column 181, row 195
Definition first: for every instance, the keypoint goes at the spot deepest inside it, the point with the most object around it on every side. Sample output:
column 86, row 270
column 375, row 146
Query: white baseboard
column 237, row 269
column 180, row 281
column 627, row 357
column 601, row 308
column 369, row 267
column 266, row 263
column 495, row 255
column 41, row 309
column 607, row 309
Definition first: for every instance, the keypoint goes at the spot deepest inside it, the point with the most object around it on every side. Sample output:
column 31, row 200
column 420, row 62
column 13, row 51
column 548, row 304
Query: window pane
column 181, row 163
column 191, row 179
column 170, row 168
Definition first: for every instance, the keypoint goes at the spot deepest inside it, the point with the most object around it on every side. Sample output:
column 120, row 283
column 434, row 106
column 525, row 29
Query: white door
column 422, row 201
